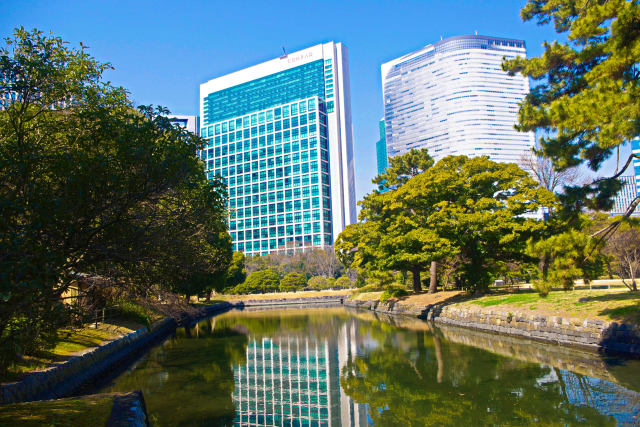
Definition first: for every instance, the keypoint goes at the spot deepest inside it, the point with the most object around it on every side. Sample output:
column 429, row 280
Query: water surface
column 334, row 366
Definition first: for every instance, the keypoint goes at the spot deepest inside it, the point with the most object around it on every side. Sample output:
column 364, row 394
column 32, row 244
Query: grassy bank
column 90, row 411
column 616, row 304
column 72, row 341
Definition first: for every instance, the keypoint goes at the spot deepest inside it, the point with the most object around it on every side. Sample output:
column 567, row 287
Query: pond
column 341, row 367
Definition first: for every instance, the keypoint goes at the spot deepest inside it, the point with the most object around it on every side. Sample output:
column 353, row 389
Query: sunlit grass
column 71, row 341
column 66, row 412
column 614, row 304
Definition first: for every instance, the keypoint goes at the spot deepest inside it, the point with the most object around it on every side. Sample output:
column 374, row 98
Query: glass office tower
column 280, row 134
column 453, row 98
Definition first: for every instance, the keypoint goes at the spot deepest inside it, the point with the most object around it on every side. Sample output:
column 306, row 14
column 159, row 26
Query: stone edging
column 339, row 299
column 64, row 379
column 586, row 333
column 129, row 410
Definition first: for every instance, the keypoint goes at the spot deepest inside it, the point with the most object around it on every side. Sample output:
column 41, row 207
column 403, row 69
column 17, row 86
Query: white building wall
column 454, row 99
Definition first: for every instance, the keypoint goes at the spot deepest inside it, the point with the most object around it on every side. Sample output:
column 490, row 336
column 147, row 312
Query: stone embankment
column 314, row 301
column 66, row 378
column 586, row 333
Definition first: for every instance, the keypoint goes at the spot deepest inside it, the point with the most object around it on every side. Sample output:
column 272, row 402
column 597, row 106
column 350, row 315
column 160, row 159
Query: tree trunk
column 433, row 278
column 609, row 269
column 417, row 287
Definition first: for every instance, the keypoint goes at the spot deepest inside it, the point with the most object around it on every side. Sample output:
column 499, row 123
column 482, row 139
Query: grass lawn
column 617, row 304
column 284, row 295
column 92, row 411
column 604, row 304
column 71, row 341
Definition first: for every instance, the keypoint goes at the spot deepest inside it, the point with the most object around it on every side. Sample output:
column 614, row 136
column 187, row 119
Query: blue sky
column 162, row 51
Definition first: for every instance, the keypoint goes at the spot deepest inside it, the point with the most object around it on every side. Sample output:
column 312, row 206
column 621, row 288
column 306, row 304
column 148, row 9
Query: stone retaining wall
column 289, row 301
column 64, row 379
column 585, row 333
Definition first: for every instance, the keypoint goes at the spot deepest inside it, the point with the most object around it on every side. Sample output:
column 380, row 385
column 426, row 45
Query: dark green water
column 332, row 367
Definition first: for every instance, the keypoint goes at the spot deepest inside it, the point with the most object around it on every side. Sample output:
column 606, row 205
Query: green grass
column 65, row 412
column 611, row 305
column 71, row 341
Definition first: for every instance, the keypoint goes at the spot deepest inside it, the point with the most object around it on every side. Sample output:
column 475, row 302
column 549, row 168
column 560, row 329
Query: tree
column 89, row 184
column 319, row 283
column 236, row 273
column 624, row 246
column 293, row 282
column 260, row 282
column 474, row 208
column 587, row 93
column 343, row 282
column 545, row 172
column 564, row 258
column 387, row 238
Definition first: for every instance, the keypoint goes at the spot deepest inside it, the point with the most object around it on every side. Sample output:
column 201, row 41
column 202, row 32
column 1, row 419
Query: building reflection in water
column 294, row 380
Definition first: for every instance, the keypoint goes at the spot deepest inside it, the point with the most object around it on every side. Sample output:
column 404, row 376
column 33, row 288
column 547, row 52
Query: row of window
column 259, row 212
column 262, row 117
column 272, row 244
column 281, row 231
column 263, row 152
column 285, row 171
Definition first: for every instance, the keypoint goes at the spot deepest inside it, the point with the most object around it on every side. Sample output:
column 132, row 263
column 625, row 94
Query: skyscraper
column 453, row 98
column 190, row 123
column 280, row 133
column 625, row 196
column 381, row 149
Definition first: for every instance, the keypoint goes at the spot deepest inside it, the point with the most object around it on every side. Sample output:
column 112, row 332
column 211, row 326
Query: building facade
column 280, row 134
column 293, row 380
column 453, row 98
column 381, row 149
column 635, row 149
column 190, row 123
column 625, row 196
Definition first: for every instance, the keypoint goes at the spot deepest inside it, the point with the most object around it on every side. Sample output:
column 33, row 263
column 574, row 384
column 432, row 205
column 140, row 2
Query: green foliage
column 393, row 293
column 90, row 184
column 127, row 310
column 237, row 272
column 404, row 167
column 587, row 91
column 468, row 209
column 259, row 282
column 564, row 258
column 343, row 282
column 319, row 283
column 293, row 282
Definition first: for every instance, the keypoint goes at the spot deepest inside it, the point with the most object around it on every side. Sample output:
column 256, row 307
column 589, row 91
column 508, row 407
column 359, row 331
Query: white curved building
column 453, row 98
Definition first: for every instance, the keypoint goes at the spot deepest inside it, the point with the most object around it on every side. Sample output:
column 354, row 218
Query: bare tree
column 544, row 172
column 625, row 247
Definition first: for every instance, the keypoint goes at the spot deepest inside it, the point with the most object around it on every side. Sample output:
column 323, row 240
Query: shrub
column 293, row 282
column 319, row 283
column 543, row 287
column 259, row 282
column 343, row 282
column 393, row 293
column 127, row 310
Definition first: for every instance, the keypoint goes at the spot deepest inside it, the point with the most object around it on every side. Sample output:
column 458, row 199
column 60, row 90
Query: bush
column 127, row 310
column 343, row 282
column 319, row 282
column 543, row 287
column 259, row 282
column 393, row 293
column 293, row 282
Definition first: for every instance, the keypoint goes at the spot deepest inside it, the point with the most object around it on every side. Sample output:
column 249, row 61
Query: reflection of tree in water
column 189, row 380
column 427, row 381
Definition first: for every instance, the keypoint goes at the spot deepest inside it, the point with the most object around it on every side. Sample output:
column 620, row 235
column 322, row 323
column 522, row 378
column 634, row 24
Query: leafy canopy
column 587, row 93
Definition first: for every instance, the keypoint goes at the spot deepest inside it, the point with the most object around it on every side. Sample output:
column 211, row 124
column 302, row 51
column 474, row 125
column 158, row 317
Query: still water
column 337, row 367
